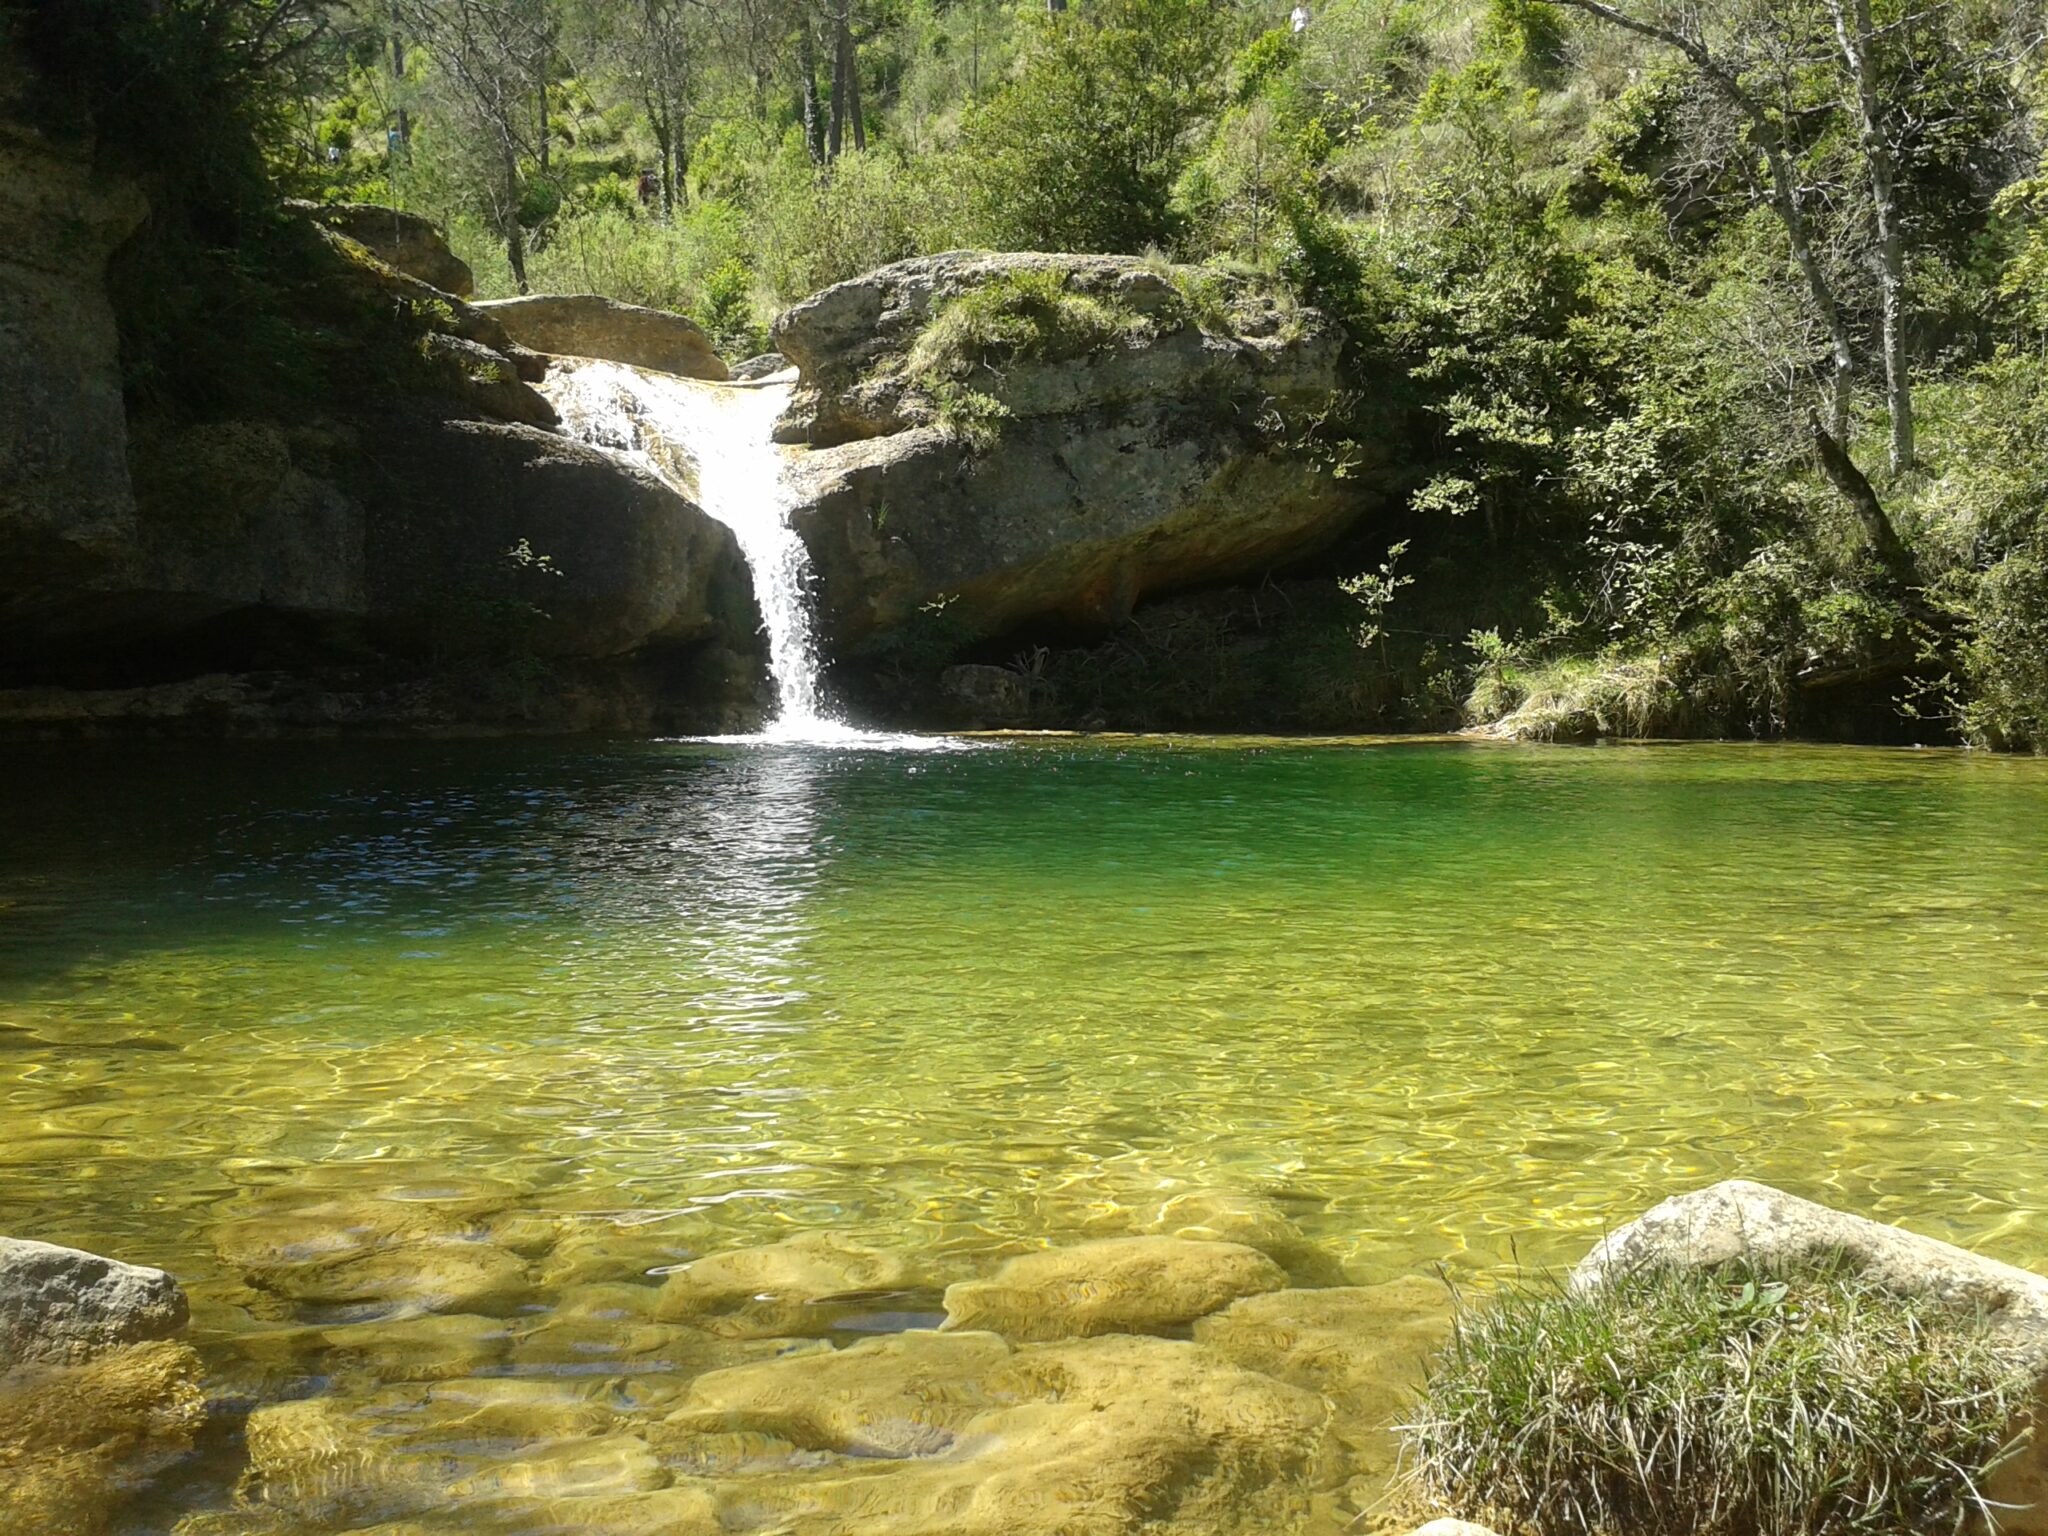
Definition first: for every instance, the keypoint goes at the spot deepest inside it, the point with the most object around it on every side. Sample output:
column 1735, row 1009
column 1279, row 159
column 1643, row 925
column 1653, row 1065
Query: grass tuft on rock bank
column 1730, row 1402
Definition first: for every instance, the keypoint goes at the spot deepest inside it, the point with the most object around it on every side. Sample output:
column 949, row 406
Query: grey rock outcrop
column 1739, row 1219
column 407, row 241
column 764, row 365
column 587, row 325
column 1066, row 482
column 65, row 1306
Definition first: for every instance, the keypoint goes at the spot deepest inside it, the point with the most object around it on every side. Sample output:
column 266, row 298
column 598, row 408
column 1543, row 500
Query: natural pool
column 616, row 1007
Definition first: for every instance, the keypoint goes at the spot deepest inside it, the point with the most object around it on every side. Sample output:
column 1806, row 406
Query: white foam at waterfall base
column 723, row 435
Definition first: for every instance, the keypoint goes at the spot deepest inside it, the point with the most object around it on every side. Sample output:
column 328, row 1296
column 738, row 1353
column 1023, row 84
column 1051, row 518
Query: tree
column 493, row 57
column 1756, row 58
column 1082, row 150
column 650, row 48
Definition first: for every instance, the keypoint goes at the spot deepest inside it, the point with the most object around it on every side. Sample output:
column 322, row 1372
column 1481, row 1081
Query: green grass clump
column 1029, row 314
column 1727, row 1402
column 1574, row 698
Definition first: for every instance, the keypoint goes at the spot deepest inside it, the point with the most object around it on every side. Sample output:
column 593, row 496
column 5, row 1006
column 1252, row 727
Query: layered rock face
column 998, row 440
column 66, row 512
column 308, row 569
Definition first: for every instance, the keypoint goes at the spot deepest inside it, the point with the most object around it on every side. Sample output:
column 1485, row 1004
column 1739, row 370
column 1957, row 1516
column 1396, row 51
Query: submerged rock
column 441, row 1276
column 587, row 325
column 1118, row 1285
column 321, row 1460
column 781, row 1289
column 1362, row 1347
column 77, row 1439
column 63, row 1304
column 1739, row 1219
column 1237, row 1216
column 430, row 1348
column 962, row 1434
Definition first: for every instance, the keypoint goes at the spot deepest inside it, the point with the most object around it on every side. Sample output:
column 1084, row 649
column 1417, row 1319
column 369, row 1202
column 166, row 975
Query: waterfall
column 714, row 443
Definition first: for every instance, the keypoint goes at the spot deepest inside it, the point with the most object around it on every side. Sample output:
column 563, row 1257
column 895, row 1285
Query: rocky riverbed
column 404, row 1361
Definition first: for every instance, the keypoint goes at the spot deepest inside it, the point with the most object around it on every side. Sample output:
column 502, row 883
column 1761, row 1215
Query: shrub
column 1726, row 1402
column 2005, row 658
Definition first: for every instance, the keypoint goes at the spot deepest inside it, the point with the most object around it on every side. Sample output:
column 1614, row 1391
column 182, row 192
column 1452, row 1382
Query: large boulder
column 1117, row 1285
column 585, row 553
column 1009, row 439
column 1738, row 1219
column 66, row 1305
column 407, row 241
column 588, row 325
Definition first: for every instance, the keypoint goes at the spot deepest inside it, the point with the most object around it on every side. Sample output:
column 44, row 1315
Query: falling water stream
column 715, row 443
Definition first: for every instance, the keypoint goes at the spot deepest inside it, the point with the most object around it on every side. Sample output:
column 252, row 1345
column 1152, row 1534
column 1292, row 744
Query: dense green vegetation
column 1716, row 1401
column 1709, row 342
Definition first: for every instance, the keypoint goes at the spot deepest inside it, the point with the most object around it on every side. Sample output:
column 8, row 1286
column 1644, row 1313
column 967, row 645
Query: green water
column 1438, row 1004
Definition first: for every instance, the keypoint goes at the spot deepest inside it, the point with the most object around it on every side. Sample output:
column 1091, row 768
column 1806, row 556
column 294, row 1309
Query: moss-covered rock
column 1037, row 438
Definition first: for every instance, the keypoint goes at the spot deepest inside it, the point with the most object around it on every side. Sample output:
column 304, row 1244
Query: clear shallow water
column 1439, row 1004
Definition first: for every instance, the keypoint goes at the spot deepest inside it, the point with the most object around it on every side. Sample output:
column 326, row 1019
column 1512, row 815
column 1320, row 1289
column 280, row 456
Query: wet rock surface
column 95, row 1397
column 1362, row 1347
column 931, row 1433
column 638, row 1379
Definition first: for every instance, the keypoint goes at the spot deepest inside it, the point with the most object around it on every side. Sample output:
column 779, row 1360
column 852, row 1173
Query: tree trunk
column 1855, row 32
column 398, row 79
column 1856, row 489
column 658, row 121
column 814, row 116
column 1787, row 201
column 835, row 136
column 854, row 116
column 543, row 156
column 515, row 233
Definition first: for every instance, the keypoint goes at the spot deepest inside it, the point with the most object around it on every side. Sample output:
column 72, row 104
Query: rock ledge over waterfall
column 1007, row 439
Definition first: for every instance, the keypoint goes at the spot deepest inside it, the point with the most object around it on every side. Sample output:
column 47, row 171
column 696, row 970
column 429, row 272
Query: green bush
column 1725, row 1402
column 2005, row 658
column 1082, row 150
